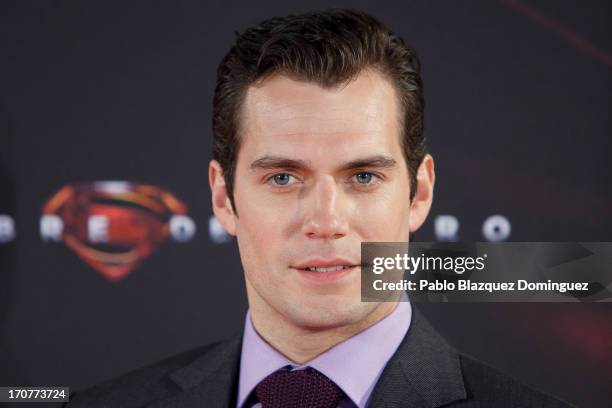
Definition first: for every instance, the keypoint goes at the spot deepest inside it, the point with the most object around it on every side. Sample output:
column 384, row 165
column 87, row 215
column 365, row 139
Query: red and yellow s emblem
column 114, row 225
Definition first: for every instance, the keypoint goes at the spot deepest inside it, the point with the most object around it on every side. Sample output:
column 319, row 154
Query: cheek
column 260, row 228
column 384, row 218
column 256, row 248
column 265, row 215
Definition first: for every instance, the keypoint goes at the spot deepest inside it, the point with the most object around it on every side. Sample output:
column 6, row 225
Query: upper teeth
column 329, row 269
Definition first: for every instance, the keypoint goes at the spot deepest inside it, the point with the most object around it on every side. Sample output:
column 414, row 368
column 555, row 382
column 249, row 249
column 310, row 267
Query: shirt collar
column 354, row 365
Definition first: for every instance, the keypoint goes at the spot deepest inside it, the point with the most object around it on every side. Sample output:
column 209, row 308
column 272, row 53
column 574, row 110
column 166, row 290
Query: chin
column 328, row 313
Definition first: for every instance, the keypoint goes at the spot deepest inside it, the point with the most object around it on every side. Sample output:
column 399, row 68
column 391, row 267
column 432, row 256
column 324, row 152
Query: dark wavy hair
column 328, row 48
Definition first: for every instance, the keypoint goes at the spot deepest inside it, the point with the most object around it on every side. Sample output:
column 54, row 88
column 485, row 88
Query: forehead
column 363, row 112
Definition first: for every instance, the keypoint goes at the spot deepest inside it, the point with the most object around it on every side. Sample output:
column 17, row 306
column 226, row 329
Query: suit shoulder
column 141, row 386
column 491, row 387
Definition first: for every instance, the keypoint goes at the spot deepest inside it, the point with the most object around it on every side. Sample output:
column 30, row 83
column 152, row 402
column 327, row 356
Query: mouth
column 325, row 271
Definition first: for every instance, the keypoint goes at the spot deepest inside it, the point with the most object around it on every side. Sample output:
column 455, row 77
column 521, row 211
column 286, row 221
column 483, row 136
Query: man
column 318, row 146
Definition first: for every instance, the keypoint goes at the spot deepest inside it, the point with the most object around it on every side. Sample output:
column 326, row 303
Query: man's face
column 318, row 172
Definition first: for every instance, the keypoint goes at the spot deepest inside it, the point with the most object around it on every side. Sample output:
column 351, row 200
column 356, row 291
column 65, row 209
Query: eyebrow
column 276, row 162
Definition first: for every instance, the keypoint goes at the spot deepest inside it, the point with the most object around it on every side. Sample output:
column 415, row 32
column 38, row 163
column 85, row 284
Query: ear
column 421, row 202
column 222, row 207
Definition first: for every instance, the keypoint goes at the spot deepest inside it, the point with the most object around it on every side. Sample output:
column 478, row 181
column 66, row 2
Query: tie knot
column 306, row 388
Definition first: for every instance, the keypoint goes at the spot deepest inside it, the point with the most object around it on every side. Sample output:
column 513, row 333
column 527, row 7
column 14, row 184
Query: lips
column 325, row 265
column 326, row 271
column 329, row 269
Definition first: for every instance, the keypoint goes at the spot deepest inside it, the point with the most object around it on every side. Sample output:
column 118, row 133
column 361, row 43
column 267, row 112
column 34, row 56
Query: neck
column 302, row 344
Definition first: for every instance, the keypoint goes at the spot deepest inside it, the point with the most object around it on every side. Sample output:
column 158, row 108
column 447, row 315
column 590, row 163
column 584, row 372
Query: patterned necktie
column 306, row 388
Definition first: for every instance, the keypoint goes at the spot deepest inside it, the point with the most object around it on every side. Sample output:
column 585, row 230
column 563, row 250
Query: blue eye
column 281, row 179
column 364, row 177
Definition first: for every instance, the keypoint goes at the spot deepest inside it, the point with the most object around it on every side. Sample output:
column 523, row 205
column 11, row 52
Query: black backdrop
column 518, row 102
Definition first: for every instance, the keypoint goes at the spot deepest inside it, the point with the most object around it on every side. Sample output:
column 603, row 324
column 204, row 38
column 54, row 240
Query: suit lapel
column 424, row 371
column 209, row 381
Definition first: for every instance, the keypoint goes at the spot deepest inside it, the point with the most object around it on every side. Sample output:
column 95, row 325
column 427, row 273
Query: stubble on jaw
column 301, row 340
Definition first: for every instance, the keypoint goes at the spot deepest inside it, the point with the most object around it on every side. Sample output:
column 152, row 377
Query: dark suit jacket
column 424, row 372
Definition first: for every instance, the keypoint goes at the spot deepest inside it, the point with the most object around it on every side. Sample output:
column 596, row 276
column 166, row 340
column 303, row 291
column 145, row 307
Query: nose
column 325, row 211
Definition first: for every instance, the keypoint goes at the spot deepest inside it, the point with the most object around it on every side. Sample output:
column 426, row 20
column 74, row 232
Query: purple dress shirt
column 354, row 365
